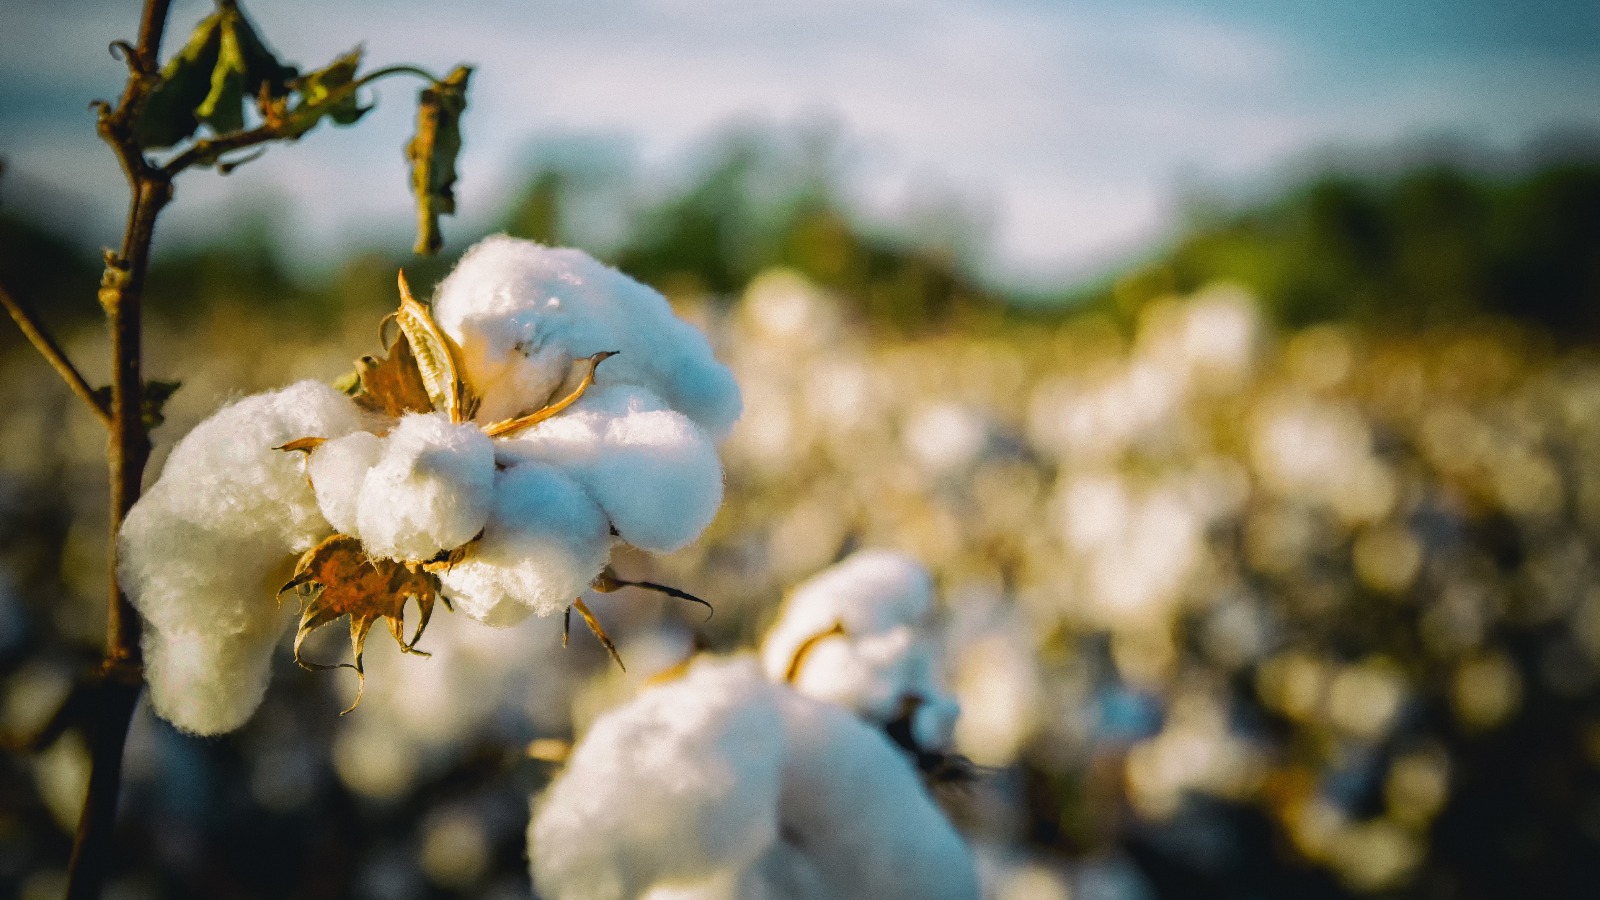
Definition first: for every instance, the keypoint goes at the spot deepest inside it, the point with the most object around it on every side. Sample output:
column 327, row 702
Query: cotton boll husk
column 679, row 786
column 656, row 475
column 429, row 491
column 856, row 820
column 338, row 469
column 522, row 312
column 544, row 543
column 195, row 553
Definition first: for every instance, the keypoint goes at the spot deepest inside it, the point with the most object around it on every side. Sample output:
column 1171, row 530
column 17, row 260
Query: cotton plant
column 543, row 408
column 789, row 774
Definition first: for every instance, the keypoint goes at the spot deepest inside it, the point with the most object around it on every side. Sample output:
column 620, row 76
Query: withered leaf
column 432, row 152
column 343, row 581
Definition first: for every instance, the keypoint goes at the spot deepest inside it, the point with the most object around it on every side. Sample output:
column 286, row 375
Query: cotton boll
column 654, row 473
column 198, row 550
column 234, row 480
column 870, row 592
column 856, row 815
column 509, row 299
column 869, row 675
column 338, row 469
column 723, row 785
column 207, row 683
column 429, row 491
column 544, row 544
column 679, row 786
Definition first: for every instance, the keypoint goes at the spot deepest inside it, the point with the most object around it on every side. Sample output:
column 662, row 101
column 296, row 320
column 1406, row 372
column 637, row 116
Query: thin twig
column 34, row 331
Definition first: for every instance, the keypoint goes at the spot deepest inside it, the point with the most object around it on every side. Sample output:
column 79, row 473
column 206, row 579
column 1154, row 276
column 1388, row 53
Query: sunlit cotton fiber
column 856, row 635
column 522, row 312
column 723, row 784
column 429, row 491
column 652, row 470
column 544, row 543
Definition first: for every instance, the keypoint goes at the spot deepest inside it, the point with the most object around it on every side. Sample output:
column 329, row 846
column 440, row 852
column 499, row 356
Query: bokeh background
column 1233, row 366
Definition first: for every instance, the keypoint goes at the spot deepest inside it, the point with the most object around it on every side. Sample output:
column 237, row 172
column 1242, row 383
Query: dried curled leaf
column 437, row 356
column 343, row 581
column 432, row 152
column 512, row 426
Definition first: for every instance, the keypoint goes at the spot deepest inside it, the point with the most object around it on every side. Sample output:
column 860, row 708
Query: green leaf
column 156, row 395
column 167, row 116
column 244, row 69
column 433, row 152
column 328, row 92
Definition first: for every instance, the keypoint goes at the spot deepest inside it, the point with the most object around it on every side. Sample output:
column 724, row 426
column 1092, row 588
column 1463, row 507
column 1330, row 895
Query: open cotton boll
column 338, row 469
column 544, row 543
column 654, row 473
column 510, row 302
column 196, row 551
column 676, row 787
column 723, row 785
column 862, row 624
column 206, row 683
column 429, row 491
column 856, row 820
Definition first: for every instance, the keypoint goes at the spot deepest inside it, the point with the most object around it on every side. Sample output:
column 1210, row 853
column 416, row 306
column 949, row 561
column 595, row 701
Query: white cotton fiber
column 723, row 785
column 522, row 312
column 675, row 787
column 196, row 550
column 863, row 627
column 207, row 683
column 338, row 469
column 544, row 544
column 856, row 820
column 654, row 472
column 429, row 491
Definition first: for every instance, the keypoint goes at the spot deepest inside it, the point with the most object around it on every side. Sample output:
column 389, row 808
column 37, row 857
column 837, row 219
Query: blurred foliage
column 1430, row 247
column 1250, row 593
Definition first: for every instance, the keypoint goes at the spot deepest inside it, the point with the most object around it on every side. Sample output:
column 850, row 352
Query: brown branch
column 121, row 291
column 34, row 331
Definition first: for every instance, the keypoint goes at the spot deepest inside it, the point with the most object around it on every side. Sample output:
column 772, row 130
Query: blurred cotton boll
column 722, row 784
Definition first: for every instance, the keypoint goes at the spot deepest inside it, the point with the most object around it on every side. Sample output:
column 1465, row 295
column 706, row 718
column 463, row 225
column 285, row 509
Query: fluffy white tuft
column 200, row 551
column 722, row 784
column 544, row 543
column 338, row 469
column 429, row 491
column 207, row 683
column 653, row 471
column 863, row 627
column 227, row 510
column 523, row 312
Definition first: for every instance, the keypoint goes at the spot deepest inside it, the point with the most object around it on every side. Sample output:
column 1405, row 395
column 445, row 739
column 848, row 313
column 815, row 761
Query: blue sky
column 1075, row 127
